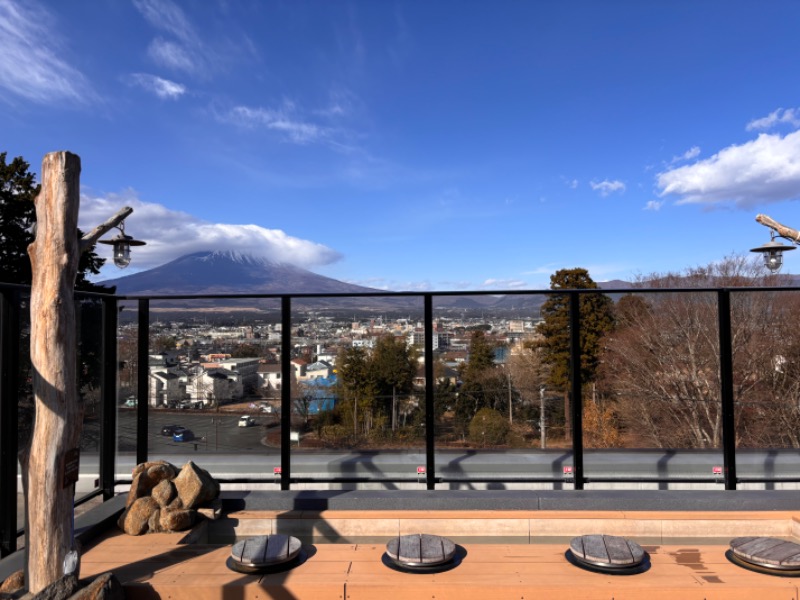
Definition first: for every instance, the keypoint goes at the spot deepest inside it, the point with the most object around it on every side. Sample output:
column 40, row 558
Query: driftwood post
column 54, row 262
column 52, row 460
column 780, row 229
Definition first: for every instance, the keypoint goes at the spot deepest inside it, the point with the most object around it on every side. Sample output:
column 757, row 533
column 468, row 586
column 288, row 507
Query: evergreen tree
column 394, row 367
column 17, row 216
column 596, row 316
column 596, row 320
column 356, row 383
column 482, row 385
column 18, row 190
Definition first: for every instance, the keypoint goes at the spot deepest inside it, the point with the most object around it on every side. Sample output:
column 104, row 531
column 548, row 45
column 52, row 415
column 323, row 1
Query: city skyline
column 410, row 146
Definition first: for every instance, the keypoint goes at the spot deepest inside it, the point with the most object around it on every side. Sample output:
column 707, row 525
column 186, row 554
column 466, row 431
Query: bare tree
column 662, row 362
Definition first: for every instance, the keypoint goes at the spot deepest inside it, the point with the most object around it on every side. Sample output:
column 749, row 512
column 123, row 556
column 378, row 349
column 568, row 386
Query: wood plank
column 619, row 551
column 408, row 549
column 757, row 546
column 594, row 549
column 777, row 554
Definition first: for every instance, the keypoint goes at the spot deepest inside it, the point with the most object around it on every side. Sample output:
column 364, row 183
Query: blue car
column 181, row 434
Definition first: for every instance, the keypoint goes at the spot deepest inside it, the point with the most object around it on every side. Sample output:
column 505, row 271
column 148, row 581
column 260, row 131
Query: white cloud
column 690, row 154
column 282, row 120
column 170, row 234
column 171, row 55
column 32, row 58
column 789, row 116
column 163, row 88
column 503, row 284
column 607, row 187
column 766, row 169
column 654, row 205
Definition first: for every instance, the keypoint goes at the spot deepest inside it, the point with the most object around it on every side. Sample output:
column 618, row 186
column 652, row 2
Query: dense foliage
column 596, row 320
column 18, row 191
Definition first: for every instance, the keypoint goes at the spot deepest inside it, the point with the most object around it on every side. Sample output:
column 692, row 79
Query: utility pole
column 510, row 413
column 542, row 423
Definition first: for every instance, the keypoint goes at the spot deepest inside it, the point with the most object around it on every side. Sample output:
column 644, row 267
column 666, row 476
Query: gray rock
column 104, row 587
column 60, row 589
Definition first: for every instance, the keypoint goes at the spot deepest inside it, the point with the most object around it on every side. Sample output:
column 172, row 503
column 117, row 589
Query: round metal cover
column 421, row 552
column 772, row 556
column 607, row 554
column 264, row 552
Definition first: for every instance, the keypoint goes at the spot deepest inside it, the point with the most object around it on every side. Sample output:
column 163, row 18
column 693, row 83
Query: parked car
column 182, row 435
column 246, row 421
column 130, row 402
column 266, row 408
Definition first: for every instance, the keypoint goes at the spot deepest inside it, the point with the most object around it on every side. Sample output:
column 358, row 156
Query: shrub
column 488, row 427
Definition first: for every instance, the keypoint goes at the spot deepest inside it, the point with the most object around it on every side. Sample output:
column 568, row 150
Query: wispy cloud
column 789, row 116
column 607, row 187
column 32, row 58
column 171, row 234
column 163, row 88
column 690, row 154
column 183, row 49
column 766, row 169
column 503, row 284
column 285, row 120
column 654, row 205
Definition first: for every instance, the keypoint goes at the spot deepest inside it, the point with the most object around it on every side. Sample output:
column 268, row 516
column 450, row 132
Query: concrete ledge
column 585, row 500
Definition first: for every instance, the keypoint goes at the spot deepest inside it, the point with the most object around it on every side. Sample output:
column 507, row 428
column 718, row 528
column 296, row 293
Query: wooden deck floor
column 161, row 566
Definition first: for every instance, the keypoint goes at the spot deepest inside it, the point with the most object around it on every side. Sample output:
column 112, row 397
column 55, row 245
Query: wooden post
column 52, row 462
column 54, row 262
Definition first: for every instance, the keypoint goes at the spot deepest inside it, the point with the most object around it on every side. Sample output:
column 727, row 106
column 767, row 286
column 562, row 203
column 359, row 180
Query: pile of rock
column 163, row 498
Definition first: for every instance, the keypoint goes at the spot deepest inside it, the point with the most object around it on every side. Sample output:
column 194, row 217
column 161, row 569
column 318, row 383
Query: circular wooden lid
column 607, row 551
column 265, row 550
column 768, row 552
column 420, row 549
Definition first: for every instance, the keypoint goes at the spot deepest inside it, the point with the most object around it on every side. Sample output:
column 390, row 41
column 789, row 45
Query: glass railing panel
column 89, row 319
column 487, row 396
column 652, row 411
column 206, row 393
column 127, row 387
column 766, row 365
column 357, row 405
column 26, row 406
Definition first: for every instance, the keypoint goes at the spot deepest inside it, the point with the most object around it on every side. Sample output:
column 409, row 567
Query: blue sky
column 439, row 145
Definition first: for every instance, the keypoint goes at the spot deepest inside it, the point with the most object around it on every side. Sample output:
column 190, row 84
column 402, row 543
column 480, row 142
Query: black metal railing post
column 108, row 415
column 9, row 416
column 576, row 403
column 286, row 391
column 726, row 388
column 430, row 392
column 143, row 380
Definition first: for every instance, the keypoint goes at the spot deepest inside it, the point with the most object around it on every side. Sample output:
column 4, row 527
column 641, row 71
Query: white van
column 246, row 421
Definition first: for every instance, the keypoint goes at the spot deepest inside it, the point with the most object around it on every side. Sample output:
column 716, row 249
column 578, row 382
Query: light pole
column 773, row 251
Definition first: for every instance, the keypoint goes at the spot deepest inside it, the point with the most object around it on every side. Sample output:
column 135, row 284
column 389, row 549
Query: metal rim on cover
column 264, row 552
column 422, row 553
column 771, row 556
column 607, row 554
